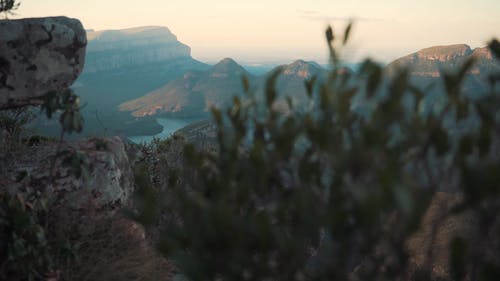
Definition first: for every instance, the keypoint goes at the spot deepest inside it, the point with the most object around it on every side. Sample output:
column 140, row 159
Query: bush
column 13, row 126
column 24, row 249
column 332, row 192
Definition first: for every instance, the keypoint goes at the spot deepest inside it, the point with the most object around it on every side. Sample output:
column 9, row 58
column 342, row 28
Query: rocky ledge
column 38, row 55
column 94, row 171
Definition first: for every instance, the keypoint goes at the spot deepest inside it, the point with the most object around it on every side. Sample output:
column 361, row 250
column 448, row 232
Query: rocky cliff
column 427, row 66
column 430, row 62
column 45, row 54
column 113, row 49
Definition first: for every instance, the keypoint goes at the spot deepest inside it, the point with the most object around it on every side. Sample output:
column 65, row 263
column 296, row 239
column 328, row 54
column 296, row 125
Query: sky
column 260, row 31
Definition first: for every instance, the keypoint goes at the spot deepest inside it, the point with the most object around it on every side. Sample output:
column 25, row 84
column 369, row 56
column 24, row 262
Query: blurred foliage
column 24, row 250
column 13, row 126
column 331, row 193
column 66, row 101
column 7, row 6
column 29, row 249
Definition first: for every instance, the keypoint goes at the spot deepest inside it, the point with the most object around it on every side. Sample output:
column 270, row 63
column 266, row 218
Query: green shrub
column 330, row 193
column 24, row 249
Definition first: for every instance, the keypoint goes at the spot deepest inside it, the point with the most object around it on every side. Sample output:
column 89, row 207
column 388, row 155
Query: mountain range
column 427, row 66
column 132, row 76
column 121, row 65
column 196, row 91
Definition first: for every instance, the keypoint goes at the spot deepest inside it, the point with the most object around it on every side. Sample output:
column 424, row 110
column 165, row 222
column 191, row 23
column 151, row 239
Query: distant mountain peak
column 445, row 53
column 140, row 31
column 299, row 62
column 227, row 62
column 483, row 52
column 431, row 62
column 301, row 68
column 225, row 67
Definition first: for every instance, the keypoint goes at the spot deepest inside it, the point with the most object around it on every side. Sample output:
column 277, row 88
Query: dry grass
column 108, row 248
column 430, row 246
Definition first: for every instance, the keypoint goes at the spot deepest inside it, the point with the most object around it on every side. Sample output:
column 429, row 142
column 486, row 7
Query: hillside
column 196, row 91
column 431, row 61
column 427, row 66
column 193, row 93
column 291, row 81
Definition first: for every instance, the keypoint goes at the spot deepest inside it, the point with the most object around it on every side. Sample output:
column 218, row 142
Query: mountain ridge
column 432, row 61
column 425, row 66
column 193, row 93
column 216, row 87
column 115, row 49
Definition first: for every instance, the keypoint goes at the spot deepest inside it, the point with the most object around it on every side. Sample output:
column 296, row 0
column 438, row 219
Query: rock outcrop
column 94, row 171
column 38, row 55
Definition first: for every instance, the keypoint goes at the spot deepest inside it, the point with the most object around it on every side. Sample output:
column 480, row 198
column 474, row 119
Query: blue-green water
column 170, row 125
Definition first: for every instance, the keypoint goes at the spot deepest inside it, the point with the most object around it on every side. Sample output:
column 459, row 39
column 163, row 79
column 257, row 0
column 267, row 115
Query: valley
column 134, row 76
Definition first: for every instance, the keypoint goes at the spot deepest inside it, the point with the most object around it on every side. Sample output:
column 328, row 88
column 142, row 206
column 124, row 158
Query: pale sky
column 263, row 30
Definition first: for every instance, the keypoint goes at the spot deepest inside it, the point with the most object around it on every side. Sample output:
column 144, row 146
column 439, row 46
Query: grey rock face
column 94, row 171
column 38, row 55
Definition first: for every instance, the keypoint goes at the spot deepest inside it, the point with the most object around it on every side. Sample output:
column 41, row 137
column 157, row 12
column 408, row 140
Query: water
column 170, row 125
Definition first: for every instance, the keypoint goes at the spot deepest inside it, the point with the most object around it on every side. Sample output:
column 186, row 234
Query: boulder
column 38, row 55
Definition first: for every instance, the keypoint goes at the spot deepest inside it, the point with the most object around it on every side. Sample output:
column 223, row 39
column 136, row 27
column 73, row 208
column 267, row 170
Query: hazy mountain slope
column 125, row 64
column 192, row 94
column 121, row 65
column 428, row 64
column 291, row 82
column 112, row 49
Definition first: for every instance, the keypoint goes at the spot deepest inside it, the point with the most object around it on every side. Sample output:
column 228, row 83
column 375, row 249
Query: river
column 170, row 125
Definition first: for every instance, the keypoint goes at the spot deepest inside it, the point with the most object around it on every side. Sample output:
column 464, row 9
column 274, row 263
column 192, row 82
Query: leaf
column 309, row 83
column 494, row 46
column 440, row 140
column 217, row 115
column 347, row 32
column 270, row 86
column 374, row 79
column 458, row 248
column 246, row 83
column 466, row 146
column 21, row 175
column 466, row 66
column 484, row 140
column 329, row 35
column 462, row 110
